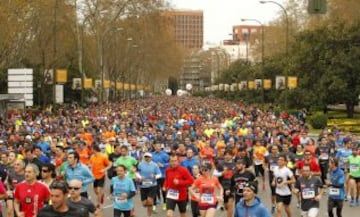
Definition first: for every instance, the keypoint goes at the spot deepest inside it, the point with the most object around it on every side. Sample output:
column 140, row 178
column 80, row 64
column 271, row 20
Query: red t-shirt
column 185, row 179
column 31, row 197
column 314, row 167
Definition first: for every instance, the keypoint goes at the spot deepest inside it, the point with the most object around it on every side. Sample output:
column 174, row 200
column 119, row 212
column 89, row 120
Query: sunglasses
column 45, row 171
column 74, row 188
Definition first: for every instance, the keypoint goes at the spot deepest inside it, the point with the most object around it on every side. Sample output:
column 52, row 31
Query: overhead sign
column 20, row 81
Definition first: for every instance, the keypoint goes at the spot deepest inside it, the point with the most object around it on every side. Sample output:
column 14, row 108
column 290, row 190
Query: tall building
column 188, row 27
column 246, row 33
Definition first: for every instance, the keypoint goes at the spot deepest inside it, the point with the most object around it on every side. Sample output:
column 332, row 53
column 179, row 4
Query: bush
column 319, row 121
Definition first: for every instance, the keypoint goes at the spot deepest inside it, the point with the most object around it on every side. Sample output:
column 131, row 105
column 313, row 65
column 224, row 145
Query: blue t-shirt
column 148, row 171
column 120, row 186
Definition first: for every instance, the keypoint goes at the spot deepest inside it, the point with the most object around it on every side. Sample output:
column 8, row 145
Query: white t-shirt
column 280, row 175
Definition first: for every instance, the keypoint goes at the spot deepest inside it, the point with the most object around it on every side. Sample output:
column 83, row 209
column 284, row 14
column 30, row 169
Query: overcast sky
column 221, row 15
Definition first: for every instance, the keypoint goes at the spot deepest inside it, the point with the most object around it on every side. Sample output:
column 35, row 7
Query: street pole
column 286, row 42
column 55, row 50
column 262, row 55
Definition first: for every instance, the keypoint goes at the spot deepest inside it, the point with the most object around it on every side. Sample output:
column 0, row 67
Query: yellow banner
column 126, row 86
column 133, row 87
column 251, row 85
column 267, row 84
column 148, row 88
column 61, row 75
column 140, row 87
column 119, row 85
column 88, row 83
column 292, row 82
column 107, row 84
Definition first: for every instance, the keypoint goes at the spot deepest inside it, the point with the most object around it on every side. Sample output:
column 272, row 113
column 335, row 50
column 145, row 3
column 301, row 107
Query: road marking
column 108, row 206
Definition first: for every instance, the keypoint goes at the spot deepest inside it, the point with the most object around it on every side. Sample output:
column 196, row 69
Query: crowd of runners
column 196, row 154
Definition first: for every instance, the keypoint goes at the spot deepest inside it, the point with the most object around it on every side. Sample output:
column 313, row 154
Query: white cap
column 147, row 154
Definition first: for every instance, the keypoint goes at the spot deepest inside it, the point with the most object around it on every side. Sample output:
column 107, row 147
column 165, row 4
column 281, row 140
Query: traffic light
column 317, row 6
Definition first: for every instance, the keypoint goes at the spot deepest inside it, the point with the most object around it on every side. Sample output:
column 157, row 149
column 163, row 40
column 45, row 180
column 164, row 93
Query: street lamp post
column 286, row 40
column 262, row 53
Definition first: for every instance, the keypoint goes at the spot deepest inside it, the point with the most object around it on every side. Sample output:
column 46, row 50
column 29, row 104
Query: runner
column 48, row 174
column 15, row 177
column 224, row 171
column 99, row 165
column 336, row 184
column 240, row 178
column 149, row 172
column 207, row 185
column 354, row 176
column 322, row 152
column 177, row 180
column 283, row 178
column 342, row 155
column 78, row 171
column 59, row 194
column 84, row 205
column 271, row 164
column 259, row 154
column 251, row 205
column 310, row 189
column 30, row 196
column 122, row 191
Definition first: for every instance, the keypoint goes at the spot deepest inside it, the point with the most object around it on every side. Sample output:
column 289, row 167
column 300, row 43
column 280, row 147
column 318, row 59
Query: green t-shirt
column 354, row 165
column 129, row 163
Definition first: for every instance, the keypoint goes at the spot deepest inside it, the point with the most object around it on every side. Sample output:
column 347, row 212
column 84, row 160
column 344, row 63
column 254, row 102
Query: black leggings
column 324, row 167
column 195, row 208
column 338, row 204
column 117, row 213
column 160, row 183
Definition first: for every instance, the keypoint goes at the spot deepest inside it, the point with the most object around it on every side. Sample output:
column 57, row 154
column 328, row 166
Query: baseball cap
column 147, row 154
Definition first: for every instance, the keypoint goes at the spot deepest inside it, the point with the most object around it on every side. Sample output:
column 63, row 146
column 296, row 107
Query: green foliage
column 318, row 120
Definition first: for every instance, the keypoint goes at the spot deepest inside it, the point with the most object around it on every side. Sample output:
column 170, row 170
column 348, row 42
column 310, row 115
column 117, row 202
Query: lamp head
column 262, row 2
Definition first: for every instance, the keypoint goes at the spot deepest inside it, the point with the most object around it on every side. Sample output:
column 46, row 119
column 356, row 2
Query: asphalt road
column 264, row 195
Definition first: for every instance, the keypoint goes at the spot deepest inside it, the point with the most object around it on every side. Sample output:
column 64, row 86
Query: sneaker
column 272, row 210
column 298, row 205
column 164, row 206
column 352, row 203
column 346, row 199
column 357, row 203
column 154, row 209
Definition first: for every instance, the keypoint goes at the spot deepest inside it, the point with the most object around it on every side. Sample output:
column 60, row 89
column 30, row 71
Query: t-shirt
column 85, row 206
column 49, row 211
column 280, row 175
column 31, row 197
column 120, row 186
column 309, row 188
column 98, row 163
column 239, row 180
column 207, row 187
column 129, row 163
column 354, row 166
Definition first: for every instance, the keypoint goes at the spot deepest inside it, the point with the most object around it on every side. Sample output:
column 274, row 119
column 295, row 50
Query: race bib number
column 119, row 199
column 172, row 194
column 147, row 182
column 345, row 160
column 207, row 198
column 334, row 191
column 354, row 167
column 273, row 167
column 308, row 193
column 324, row 156
column 258, row 162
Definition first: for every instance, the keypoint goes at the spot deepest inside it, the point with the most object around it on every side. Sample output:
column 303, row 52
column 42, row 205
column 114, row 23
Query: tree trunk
column 350, row 110
column 325, row 109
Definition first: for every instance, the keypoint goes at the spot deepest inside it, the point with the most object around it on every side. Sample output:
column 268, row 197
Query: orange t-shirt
column 207, row 188
column 84, row 155
column 259, row 154
column 98, row 162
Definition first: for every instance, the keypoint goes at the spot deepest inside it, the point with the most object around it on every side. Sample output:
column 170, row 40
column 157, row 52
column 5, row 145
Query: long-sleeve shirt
column 79, row 172
column 163, row 158
column 177, row 191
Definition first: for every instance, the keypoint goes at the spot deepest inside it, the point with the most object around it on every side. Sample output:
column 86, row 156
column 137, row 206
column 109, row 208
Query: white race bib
column 334, row 191
column 207, row 198
column 273, row 167
column 324, row 156
column 308, row 193
column 258, row 162
column 147, row 182
column 354, row 167
column 172, row 194
column 119, row 199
